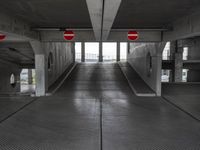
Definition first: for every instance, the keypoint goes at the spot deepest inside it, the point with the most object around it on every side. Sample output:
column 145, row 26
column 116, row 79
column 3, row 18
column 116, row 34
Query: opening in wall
column 27, row 81
column 185, row 75
column 13, row 80
column 165, row 75
column 149, row 64
column 91, row 52
column 166, row 52
column 78, row 51
column 109, row 52
column 50, row 61
column 185, row 53
column 123, row 51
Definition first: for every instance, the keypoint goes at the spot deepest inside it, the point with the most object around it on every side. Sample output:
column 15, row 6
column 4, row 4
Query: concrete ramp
column 139, row 87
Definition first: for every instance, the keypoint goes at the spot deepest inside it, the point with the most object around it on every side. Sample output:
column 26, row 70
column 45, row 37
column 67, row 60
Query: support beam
column 177, row 53
column 82, row 51
column 111, row 8
column 100, row 52
column 30, row 77
column 40, row 75
column 88, row 36
column 128, row 48
column 41, row 72
column 73, row 52
column 95, row 8
column 118, row 51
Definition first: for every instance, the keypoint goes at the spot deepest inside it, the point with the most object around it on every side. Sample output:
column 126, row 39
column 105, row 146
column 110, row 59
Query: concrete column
column 83, row 52
column 100, row 52
column 118, row 51
column 41, row 75
column 178, row 66
column 30, row 78
column 41, row 69
column 128, row 49
column 158, row 68
column 194, row 54
column 73, row 52
column 177, row 56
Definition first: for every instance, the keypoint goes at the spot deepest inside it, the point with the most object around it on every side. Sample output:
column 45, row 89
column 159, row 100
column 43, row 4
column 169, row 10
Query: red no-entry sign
column 69, row 35
column 133, row 35
column 2, row 37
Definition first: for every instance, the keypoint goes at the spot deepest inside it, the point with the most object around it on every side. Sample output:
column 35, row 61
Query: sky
column 109, row 48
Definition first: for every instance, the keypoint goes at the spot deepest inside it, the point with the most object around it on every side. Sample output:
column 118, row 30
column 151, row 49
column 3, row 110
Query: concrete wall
column 138, row 59
column 62, row 58
column 7, row 69
column 194, row 54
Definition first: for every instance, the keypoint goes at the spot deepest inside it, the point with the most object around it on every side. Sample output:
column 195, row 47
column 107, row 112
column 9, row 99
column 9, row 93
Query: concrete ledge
column 138, row 86
column 53, row 88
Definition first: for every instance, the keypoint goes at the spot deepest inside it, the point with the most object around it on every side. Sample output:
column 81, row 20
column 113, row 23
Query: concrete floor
column 185, row 96
column 96, row 110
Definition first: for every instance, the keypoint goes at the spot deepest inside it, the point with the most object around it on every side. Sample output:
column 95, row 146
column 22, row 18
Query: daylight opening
column 91, row 52
column 78, row 51
column 123, row 51
column 109, row 52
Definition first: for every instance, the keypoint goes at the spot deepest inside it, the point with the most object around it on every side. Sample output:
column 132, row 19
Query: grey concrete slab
column 147, row 123
column 148, row 14
column 91, row 116
column 53, row 123
column 180, row 89
column 9, row 105
column 149, row 133
column 185, row 96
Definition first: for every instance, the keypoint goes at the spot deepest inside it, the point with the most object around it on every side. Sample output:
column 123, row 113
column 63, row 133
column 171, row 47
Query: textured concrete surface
column 139, row 87
column 62, row 58
column 96, row 109
column 185, row 96
column 146, row 59
column 75, row 13
column 9, row 105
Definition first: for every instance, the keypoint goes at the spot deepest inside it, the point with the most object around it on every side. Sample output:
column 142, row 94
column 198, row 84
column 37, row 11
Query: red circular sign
column 133, row 35
column 2, row 37
column 69, row 35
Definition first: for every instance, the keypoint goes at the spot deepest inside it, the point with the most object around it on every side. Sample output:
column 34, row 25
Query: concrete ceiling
column 49, row 13
column 74, row 13
column 152, row 13
column 101, row 16
column 19, row 53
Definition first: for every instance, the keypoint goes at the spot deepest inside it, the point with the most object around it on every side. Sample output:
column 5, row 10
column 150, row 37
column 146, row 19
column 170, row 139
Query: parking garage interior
column 99, row 75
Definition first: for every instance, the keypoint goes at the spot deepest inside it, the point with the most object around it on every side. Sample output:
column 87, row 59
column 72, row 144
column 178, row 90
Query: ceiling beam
column 16, row 29
column 111, row 8
column 89, row 29
column 95, row 8
column 185, row 27
column 88, row 36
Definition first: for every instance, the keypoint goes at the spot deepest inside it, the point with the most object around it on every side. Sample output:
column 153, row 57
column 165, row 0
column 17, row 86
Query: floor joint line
column 18, row 110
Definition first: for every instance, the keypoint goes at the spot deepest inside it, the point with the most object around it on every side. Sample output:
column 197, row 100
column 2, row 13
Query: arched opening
column 149, row 64
column 13, row 80
column 166, row 57
column 50, row 61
